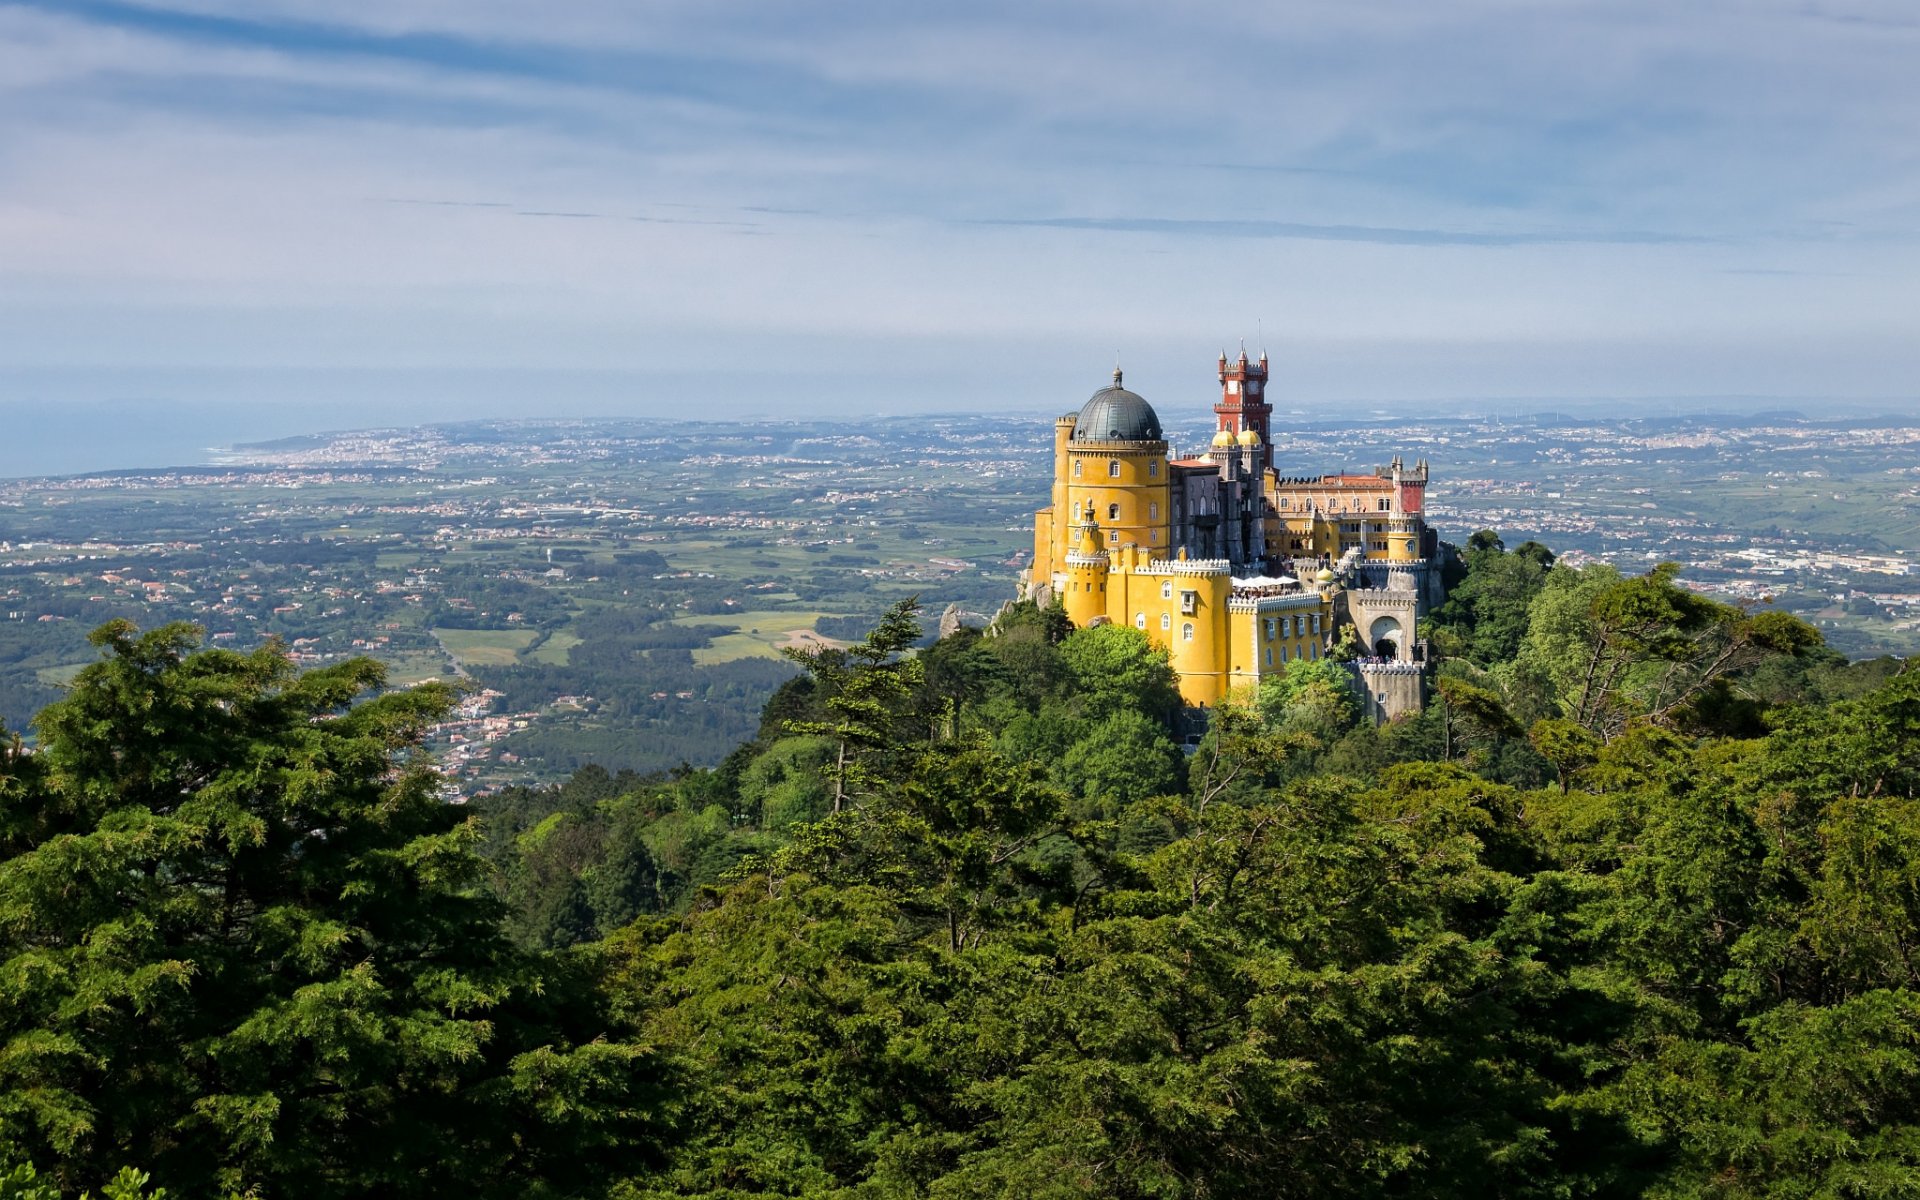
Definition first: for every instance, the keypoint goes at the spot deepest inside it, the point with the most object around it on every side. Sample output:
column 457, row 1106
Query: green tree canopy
column 241, row 946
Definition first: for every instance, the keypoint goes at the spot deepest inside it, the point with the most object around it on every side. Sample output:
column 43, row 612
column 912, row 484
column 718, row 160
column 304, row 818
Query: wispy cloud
column 289, row 180
column 1378, row 235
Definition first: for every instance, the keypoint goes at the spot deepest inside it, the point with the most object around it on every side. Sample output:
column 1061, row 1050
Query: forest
column 1631, row 909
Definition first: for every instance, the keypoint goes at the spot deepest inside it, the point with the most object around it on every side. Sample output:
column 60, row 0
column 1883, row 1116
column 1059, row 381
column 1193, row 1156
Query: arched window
column 1166, row 622
column 1186, row 631
column 1269, row 655
column 1153, row 510
column 1113, row 468
column 1113, row 512
column 1139, row 620
column 1166, row 589
column 1153, row 468
column 1076, row 467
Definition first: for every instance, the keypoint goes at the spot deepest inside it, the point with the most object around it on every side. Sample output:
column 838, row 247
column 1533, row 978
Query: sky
column 734, row 207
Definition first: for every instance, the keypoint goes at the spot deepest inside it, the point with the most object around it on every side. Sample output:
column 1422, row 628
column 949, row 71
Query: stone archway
column 1385, row 637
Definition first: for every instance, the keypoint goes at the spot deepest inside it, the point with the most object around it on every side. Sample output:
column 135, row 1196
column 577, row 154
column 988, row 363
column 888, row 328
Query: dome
column 1249, row 438
column 1114, row 414
column 1326, row 575
column 1223, row 438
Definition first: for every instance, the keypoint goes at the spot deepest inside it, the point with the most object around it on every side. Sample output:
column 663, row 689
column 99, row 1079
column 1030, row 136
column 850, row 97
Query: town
column 620, row 592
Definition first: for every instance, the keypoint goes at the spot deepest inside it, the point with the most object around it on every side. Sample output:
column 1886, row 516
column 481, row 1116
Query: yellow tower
column 1115, row 459
column 1086, row 584
column 1197, row 643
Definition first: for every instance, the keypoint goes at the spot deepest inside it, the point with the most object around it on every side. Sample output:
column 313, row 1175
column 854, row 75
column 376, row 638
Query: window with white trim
column 1166, row 589
column 1186, row 631
column 1166, row 621
column 1113, row 468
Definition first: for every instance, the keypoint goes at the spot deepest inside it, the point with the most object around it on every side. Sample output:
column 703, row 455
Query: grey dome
column 1114, row 414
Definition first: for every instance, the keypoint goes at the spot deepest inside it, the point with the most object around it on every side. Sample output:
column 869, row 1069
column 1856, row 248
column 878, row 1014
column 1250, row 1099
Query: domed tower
column 1117, row 463
column 1086, row 563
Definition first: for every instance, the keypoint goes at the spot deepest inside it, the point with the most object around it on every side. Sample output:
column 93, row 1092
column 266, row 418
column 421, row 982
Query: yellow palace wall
column 1185, row 609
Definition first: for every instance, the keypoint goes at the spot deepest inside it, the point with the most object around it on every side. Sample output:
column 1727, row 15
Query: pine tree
column 241, row 947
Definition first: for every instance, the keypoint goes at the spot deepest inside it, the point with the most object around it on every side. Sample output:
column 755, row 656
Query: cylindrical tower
column 1117, row 462
column 1064, row 516
column 1086, row 596
column 1199, row 648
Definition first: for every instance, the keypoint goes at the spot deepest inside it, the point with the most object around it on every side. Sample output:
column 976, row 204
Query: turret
column 1086, row 598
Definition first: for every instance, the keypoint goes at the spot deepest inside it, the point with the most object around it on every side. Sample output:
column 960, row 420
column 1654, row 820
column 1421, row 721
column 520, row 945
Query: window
column 1153, row 510
column 1285, row 504
column 1113, row 512
column 1313, row 652
column 1316, row 622
column 1113, row 468
column 1269, row 655
column 1166, row 622
column 1384, row 506
column 1153, row 468
column 1189, row 602
column 1269, row 636
column 1186, row 632
column 1113, row 537
column 1076, row 467
column 1139, row 620
column 1166, row 589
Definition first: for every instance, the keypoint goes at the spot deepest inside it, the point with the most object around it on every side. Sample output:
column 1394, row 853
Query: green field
column 761, row 631
column 553, row 651
column 486, row 647
column 415, row 666
column 59, row 676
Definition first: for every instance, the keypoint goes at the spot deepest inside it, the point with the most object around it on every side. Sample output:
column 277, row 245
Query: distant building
column 1236, row 569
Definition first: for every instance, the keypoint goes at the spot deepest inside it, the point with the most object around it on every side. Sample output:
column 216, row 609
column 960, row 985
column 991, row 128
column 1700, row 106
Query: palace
column 1236, row 569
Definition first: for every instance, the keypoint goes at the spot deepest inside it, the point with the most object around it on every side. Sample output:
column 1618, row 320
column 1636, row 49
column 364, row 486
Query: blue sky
column 756, row 206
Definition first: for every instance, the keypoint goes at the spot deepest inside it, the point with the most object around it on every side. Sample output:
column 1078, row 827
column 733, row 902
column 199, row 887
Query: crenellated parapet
column 1189, row 566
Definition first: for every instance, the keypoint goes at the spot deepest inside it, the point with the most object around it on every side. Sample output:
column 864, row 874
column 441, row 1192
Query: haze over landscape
column 492, row 209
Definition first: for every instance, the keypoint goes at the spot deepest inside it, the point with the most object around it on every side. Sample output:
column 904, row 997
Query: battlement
column 1272, row 602
column 1387, row 666
column 1379, row 595
column 1189, row 566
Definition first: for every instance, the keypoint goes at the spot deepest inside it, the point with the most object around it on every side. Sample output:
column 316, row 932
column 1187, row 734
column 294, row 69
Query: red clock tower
column 1243, row 401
